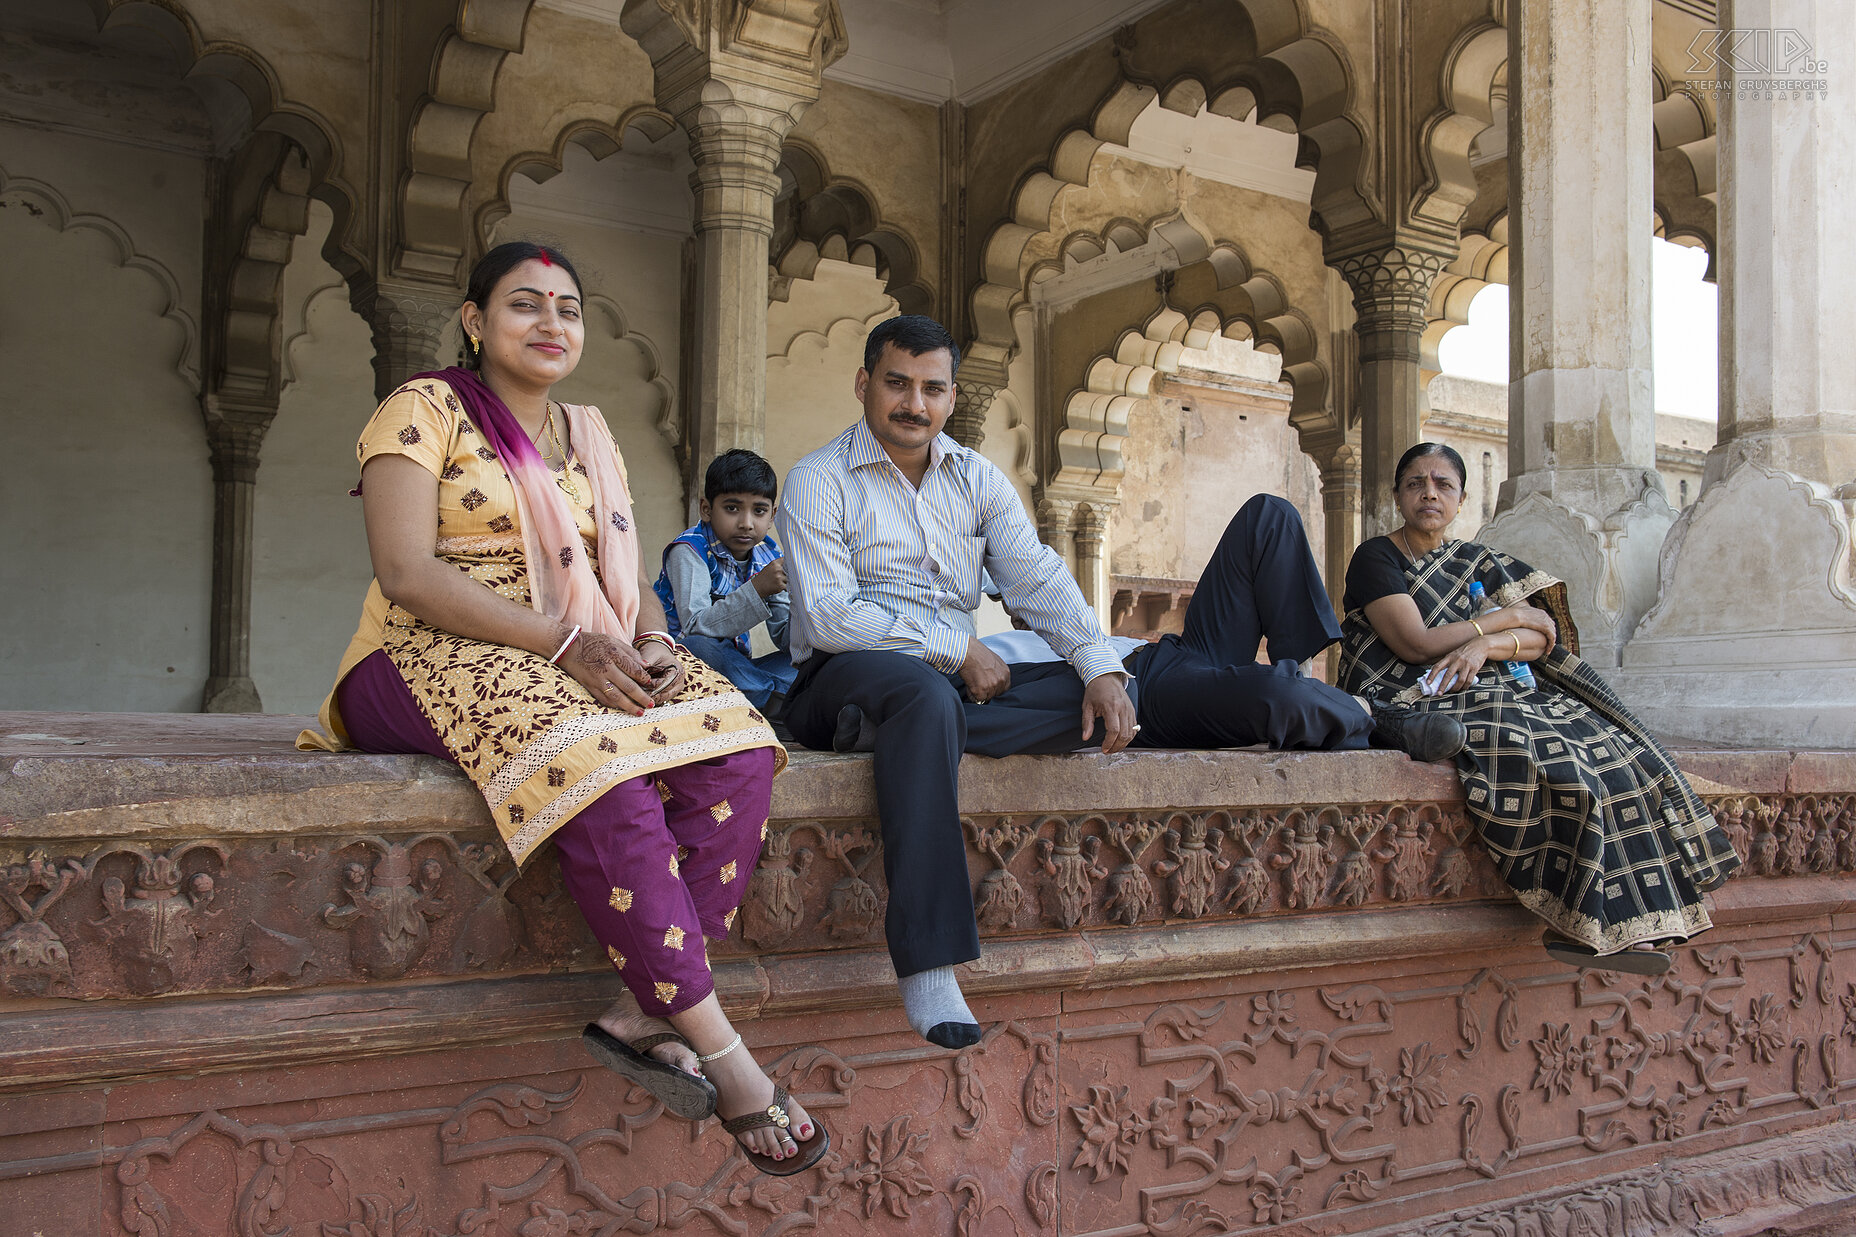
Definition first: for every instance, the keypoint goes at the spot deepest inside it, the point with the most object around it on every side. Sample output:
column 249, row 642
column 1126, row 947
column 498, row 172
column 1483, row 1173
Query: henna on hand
column 602, row 650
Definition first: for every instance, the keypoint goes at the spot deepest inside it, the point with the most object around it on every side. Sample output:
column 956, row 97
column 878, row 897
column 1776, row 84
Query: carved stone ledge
column 170, row 864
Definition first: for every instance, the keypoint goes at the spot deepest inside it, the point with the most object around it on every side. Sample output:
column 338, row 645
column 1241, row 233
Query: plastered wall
column 109, row 502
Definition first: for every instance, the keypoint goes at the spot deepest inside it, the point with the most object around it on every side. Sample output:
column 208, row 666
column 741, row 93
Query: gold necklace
column 566, row 478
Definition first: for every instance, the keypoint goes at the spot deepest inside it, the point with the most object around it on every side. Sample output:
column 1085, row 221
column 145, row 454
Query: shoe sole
column 1628, row 961
column 681, row 1094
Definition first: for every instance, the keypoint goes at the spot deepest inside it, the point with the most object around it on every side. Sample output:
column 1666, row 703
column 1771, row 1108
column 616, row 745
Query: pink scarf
column 561, row 582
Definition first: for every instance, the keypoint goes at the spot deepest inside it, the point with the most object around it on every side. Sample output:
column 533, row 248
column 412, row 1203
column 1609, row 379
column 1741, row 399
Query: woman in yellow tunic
column 507, row 631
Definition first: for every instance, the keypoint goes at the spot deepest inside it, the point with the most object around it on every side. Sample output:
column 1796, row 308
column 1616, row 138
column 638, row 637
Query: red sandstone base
column 1370, row 1042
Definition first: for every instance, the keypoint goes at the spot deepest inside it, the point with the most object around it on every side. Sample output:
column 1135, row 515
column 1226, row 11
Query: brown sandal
column 809, row 1153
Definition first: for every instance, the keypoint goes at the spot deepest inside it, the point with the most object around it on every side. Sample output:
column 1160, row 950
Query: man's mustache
column 909, row 419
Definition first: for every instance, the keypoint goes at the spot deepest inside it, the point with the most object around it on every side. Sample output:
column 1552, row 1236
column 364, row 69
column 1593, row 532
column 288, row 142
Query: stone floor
column 247, row 988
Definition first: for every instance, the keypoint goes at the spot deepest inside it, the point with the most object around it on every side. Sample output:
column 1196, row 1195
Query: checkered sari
column 1584, row 813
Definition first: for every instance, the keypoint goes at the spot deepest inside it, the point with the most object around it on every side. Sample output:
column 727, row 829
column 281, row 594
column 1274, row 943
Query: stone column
column 1582, row 500
column 737, row 78
column 1092, row 529
column 1391, row 288
column 235, row 427
column 1056, row 520
column 1340, row 504
column 408, row 321
column 1753, row 638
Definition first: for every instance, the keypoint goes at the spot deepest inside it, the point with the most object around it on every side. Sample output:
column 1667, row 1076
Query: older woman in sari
column 509, row 630
column 1586, row 816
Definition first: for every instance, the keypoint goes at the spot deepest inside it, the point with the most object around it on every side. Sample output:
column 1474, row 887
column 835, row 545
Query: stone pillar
column 736, row 77
column 1753, row 638
column 1582, row 499
column 1092, row 530
column 1391, row 288
column 1056, row 520
column 235, row 427
column 408, row 321
column 1340, row 504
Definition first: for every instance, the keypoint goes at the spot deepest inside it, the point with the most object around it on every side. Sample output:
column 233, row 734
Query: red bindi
column 550, row 294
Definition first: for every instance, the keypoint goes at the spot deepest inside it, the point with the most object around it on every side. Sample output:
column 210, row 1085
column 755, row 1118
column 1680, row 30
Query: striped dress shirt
column 874, row 563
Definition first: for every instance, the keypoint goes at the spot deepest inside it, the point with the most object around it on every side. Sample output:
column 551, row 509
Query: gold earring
column 474, row 345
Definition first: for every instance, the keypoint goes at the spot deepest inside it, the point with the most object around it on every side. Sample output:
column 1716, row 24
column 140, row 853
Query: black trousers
column 1201, row 689
column 923, row 725
column 1204, row 688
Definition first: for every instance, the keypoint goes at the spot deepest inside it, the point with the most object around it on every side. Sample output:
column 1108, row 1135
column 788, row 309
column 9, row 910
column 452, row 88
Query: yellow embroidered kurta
column 532, row 739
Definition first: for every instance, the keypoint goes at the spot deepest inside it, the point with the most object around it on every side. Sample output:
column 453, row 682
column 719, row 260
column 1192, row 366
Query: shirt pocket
column 960, row 558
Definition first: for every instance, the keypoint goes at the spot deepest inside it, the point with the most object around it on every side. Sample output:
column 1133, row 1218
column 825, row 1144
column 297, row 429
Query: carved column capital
column 408, row 322
column 737, row 76
column 1391, row 286
column 968, row 422
column 235, row 427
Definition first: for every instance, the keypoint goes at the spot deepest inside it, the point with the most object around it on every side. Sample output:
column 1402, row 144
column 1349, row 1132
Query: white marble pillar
column 1582, row 499
column 1753, row 639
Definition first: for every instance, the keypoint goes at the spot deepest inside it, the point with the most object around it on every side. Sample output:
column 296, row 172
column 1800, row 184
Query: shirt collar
column 865, row 449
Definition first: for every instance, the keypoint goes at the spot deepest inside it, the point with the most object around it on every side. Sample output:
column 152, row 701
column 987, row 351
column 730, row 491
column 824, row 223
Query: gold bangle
column 1478, row 627
column 1516, row 637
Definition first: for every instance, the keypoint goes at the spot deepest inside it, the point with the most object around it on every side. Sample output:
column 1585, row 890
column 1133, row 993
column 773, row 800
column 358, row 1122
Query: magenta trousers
column 656, row 864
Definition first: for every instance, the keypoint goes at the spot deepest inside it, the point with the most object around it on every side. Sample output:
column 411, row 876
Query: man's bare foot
column 624, row 1020
column 743, row 1087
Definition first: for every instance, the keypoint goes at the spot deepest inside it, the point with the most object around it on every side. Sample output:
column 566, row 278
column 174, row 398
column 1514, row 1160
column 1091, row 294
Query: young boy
column 725, row 577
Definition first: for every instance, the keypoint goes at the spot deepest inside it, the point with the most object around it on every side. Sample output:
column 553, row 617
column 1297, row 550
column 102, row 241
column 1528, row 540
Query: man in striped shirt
column 886, row 530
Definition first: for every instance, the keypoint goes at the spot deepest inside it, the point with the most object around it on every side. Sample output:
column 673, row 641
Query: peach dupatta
column 561, row 580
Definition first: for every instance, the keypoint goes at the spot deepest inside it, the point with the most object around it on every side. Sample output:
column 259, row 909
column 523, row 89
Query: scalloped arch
column 1298, row 82
column 1244, row 303
column 434, row 238
column 574, row 125
column 44, row 201
column 604, row 307
column 864, row 326
column 837, row 217
column 1475, row 81
column 272, row 110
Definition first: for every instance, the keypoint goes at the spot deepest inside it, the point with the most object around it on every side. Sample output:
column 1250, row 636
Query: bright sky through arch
column 1684, row 317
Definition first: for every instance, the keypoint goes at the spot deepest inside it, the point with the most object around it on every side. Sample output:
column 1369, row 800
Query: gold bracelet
column 1516, row 636
column 660, row 637
column 1478, row 627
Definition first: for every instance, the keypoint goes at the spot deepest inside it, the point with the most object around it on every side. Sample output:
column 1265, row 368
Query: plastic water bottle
column 1519, row 671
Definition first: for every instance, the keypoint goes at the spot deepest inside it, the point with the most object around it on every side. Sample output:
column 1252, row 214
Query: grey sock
column 936, row 1010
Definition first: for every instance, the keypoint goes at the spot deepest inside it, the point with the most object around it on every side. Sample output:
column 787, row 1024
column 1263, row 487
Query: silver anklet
column 706, row 1057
